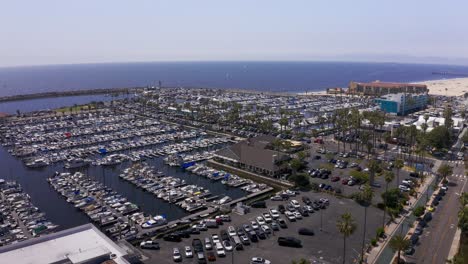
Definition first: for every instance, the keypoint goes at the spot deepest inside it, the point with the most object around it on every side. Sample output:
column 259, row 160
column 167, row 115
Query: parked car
column 149, row 244
column 176, row 256
column 259, row 204
column 188, row 252
column 220, row 250
column 210, row 256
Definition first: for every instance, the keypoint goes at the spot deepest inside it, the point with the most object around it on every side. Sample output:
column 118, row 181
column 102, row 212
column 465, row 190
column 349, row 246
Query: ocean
column 261, row 76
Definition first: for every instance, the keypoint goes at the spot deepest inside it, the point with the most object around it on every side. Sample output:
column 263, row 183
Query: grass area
column 75, row 108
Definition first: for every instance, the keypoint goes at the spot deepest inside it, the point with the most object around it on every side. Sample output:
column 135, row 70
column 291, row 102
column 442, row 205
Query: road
column 438, row 236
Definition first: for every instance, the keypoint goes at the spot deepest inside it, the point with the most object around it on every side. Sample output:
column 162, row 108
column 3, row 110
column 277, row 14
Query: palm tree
column 389, row 176
column 374, row 167
column 346, row 226
column 365, row 199
column 398, row 166
column 399, row 243
column 445, row 170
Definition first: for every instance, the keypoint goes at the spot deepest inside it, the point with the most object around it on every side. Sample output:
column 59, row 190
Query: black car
column 183, row 233
column 224, row 235
column 252, row 236
column 261, row 234
column 259, row 204
column 306, row 231
column 281, row 209
column 289, row 242
column 303, row 212
column 172, row 238
column 427, row 217
column 409, row 251
column 306, row 200
column 414, row 239
column 414, row 175
column 197, row 245
column 282, row 223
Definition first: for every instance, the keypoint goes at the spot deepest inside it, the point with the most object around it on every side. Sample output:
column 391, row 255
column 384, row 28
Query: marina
column 20, row 218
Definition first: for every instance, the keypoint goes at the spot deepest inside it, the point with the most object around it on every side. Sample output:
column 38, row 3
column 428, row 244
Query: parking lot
column 336, row 179
column 325, row 246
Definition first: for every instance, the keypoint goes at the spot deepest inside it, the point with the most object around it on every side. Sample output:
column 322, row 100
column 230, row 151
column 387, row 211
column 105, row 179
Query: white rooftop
column 75, row 244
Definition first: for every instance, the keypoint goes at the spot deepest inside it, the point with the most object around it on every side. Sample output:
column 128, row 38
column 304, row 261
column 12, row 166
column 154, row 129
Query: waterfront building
column 401, row 103
column 255, row 155
column 378, row 88
column 82, row 244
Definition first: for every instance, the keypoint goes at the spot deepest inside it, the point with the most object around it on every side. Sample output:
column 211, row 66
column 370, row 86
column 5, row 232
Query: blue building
column 401, row 103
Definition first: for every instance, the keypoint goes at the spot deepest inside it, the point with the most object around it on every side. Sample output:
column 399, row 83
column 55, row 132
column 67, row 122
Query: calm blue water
column 54, row 102
column 262, row 76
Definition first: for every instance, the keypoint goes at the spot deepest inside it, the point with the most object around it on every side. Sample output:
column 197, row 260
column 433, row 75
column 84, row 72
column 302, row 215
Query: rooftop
column 73, row 245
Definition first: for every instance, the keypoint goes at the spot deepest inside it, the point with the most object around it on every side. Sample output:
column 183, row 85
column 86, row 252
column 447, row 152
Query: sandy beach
column 455, row 87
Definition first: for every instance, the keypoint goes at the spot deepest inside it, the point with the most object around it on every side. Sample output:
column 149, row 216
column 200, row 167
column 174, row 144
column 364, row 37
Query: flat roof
column 78, row 242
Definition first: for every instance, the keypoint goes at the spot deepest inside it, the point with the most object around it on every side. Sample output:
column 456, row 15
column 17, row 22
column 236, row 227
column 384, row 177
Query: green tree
column 399, row 243
column 463, row 213
column 445, row 170
column 418, row 211
column 438, row 137
column 346, row 226
column 448, row 122
column 374, row 167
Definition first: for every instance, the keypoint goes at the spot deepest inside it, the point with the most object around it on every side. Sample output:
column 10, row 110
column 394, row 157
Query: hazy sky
column 85, row 31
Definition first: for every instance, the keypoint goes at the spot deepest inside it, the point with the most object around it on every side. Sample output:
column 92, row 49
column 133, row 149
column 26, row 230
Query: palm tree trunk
column 344, row 249
column 364, row 235
column 385, row 206
column 398, row 257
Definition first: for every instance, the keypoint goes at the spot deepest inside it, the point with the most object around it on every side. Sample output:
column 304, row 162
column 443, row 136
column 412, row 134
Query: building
column 83, row 244
column 378, row 88
column 402, row 104
column 255, row 155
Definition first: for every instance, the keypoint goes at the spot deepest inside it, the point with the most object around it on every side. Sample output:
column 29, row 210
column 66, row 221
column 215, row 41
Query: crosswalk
column 456, row 161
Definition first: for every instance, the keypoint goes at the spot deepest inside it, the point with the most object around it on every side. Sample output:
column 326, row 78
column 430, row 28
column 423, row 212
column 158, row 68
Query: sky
column 89, row 31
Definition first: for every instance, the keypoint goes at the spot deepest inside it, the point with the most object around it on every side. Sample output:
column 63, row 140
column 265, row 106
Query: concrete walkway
column 391, row 229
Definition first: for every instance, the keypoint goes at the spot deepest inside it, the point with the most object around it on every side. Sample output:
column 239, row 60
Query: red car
column 318, row 140
column 211, row 256
column 335, row 179
column 345, row 181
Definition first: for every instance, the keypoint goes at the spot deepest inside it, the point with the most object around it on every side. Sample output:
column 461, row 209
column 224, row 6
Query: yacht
column 76, row 163
column 37, row 163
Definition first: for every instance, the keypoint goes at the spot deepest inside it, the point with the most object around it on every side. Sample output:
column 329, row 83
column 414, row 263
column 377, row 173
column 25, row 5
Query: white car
column 232, row 231
column 257, row 260
column 266, row 229
column 208, row 245
column 274, row 213
column 188, row 252
column 254, row 225
column 215, row 238
column 149, row 245
column 325, row 200
column 176, row 255
column 295, row 204
column 276, row 198
column 409, row 182
column 260, row 220
column 220, row 250
column 267, row 217
column 290, row 216
column 227, row 245
column 404, row 188
column 297, row 215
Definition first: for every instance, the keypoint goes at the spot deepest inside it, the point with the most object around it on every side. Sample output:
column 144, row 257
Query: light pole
column 321, row 219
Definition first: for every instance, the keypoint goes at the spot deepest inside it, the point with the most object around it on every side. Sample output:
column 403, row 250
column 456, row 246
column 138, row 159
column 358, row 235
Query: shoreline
column 454, row 86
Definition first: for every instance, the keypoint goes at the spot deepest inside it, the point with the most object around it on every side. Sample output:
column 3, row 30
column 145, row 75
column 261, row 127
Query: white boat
column 37, row 163
column 76, row 163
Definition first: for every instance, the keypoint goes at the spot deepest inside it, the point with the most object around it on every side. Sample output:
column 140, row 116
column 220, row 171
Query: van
column 237, row 242
column 211, row 223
